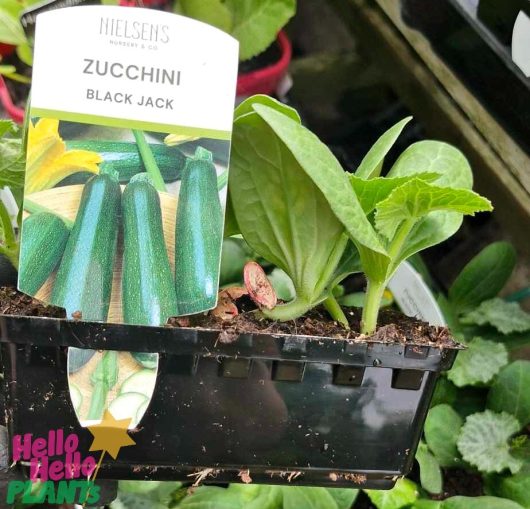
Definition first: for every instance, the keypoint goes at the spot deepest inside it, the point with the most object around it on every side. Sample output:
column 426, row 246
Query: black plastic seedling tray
column 287, row 409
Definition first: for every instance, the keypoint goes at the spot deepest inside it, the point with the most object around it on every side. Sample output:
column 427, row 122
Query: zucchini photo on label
column 45, row 237
column 124, row 158
column 198, row 235
column 84, row 280
column 148, row 292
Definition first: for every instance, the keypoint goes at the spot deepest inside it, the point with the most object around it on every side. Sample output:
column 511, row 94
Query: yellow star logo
column 110, row 435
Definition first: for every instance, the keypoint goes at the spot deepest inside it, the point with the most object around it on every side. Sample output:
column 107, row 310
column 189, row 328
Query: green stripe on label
column 84, row 118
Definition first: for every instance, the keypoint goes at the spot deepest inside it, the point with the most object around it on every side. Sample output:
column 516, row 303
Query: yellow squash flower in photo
column 48, row 161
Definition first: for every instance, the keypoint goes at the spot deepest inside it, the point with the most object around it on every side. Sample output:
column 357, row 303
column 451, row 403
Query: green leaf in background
column 506, row 317
column 12, row 164
column 515, row 487
column 403, row 494
column 257, row 496
column 295, row 497
column 8, row 127
column 257, row 22
column 6, row 70
column 144, row 494
column 484, row 276
column 479, row 503
column 511, row 391
column 25, row 53
column 430, row 471
column 441, row 432
column 484, row 441
column 415, row 199
column 372, row 162
column 444, row 392
column 344, row 498
column 213, row 12
column 479, row 363
column 234, row 255
column 212, row 497
column 427, row 504
column 11, row 31
column 282, row 284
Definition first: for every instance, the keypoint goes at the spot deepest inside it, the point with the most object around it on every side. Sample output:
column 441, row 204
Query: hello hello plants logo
column 59, row 473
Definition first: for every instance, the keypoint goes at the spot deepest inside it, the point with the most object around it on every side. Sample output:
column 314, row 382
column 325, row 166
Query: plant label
column 128, row 149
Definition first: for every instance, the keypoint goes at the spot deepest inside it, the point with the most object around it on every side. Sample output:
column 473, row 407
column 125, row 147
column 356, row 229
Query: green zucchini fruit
column 45, row 236
column 148, row 291
column 84, row 279
column 198, row 235
column 124, row 158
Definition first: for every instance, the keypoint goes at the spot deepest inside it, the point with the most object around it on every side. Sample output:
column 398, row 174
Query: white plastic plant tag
column 521, row 43
column 127, row 166
column 413, row 296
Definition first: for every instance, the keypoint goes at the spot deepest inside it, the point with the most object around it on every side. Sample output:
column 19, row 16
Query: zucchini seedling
column 297, row 208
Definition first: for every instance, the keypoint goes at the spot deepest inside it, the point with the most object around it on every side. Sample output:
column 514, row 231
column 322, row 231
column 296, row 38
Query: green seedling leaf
column 283, row 286
column 371, row 192
column 479, row 503
column 454, row 170
column 213, row 12
column 441, row 432
column 484, row 276
column 372, row 162
column 322, row 167
column 511, row 391
column 11, row 31
column 435, row 157
column 257, row 22
column 515, row 487
column 430, row 471
column 234, row 255
column 479, row 363
column 416, row 198
column 484, row 441
column 280, row 211
column 247, row 106
column 403, row 494
column 506, row 317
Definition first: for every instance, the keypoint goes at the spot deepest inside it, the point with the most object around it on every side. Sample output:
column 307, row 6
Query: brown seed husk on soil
column 393, row 326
